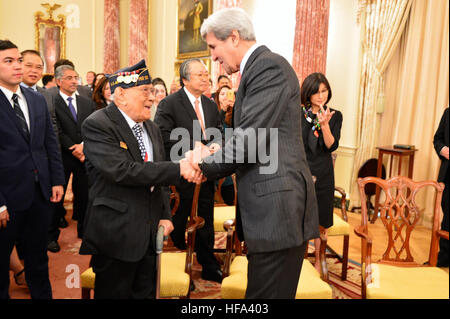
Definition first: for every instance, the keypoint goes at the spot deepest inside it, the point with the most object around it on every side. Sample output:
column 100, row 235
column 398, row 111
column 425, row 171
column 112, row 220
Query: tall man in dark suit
column 51, row 93
column 31, row 175
column 440, row 142
column 277, row 209
column 128, row 195
column 71, row 110
column 188, row 108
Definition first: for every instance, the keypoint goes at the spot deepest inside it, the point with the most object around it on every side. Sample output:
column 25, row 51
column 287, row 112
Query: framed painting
column 191, row 14
column 50, row 36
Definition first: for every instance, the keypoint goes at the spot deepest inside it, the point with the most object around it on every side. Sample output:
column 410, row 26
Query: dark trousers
column 80, row 189
column 116, row 279
column 31, row 227
column 443, row 257
column 204, row 239
column 274, row 275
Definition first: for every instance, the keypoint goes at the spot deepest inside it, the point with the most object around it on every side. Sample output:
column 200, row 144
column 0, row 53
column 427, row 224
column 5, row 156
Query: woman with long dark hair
column 321, row 131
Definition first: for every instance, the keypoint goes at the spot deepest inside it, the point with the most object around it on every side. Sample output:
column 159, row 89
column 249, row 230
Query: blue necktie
column 72, row 108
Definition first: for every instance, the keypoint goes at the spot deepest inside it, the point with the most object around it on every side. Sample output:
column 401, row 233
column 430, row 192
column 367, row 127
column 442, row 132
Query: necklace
column 314, row 121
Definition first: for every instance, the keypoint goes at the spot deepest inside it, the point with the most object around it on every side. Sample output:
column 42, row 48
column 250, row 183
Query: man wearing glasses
column 71, row 110
column 33, row 67
column 188, row 108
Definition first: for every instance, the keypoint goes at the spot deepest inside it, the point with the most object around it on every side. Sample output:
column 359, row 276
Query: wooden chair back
column 400, row 215
column 174, row 199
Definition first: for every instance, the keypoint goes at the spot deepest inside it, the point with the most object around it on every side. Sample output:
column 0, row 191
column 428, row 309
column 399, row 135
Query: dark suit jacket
column 19, row 159
column 439, row 141
column 50, row 96
column 176, row 111
column 69, row 131
column 278, row 209
column 123, row 214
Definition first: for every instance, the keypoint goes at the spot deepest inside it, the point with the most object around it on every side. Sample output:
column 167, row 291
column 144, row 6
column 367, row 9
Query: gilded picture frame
column 50, row 36
column 191, row 14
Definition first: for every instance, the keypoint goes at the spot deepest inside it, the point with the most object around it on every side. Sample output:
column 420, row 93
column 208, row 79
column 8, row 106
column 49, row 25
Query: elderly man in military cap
column 128, row 195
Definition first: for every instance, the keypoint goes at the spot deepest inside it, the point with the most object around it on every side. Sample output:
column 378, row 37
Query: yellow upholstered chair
column 396, row 274
column 223, row 212
column 340, row 227
column 174, row 269
column 234, row 284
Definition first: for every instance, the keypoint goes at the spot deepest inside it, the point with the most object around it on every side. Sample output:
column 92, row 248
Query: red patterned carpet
column 66, row 266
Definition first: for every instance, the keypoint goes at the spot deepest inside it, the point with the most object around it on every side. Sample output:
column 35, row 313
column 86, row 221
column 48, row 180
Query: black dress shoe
column 53, row 246
column 212, row 275
column 191, row 286
column 62, row 223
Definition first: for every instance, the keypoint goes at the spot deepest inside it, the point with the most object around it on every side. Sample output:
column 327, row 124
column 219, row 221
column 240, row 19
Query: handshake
column 189, row 168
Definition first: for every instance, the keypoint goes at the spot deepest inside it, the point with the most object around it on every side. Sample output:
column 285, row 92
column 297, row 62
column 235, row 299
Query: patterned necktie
column 20, row 116
column 137, row 129
column 72, row 108
column 199, row 116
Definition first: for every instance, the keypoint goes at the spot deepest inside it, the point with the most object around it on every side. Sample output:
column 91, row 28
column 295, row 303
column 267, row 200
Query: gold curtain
column 382, row 24
column 417, row 89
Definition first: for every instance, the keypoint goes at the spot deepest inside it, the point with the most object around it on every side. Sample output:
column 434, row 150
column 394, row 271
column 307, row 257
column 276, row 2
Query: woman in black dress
column 321, row 129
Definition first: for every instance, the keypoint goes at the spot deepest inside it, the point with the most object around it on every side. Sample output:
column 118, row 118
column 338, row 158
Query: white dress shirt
column 22, row 102
column 74, row 99
column 247, row 55
column 192, row 99
column 146, row 138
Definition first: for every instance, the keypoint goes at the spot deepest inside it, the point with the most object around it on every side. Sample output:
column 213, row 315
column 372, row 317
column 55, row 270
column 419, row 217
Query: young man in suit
column 128, row 195
column 188, row 108
column 71, row 110
column 277, row 209
column 440, row 142
column 31, row 175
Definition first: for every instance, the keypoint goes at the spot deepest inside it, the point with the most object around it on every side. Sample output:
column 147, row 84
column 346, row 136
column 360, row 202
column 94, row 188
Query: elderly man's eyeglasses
column 146, row 91
column 201, row 75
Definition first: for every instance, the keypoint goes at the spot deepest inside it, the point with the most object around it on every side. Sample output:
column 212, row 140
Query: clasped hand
column 189, row 168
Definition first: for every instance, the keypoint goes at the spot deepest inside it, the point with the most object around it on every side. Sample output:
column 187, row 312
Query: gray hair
column 185, row 69
column 59, row 72
column 224, row 21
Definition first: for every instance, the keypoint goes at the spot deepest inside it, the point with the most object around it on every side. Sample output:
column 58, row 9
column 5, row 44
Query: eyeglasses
column 70, row 78
column 146, row 91
column 201, row 75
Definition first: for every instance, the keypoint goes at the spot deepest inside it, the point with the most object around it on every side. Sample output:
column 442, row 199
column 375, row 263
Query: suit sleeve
column 53, row 151
column 262, row 107
column 64, row 139
column 49, row 99
column 166, row 123
column 336, row 130
column 103, row 151
column 439, row 136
